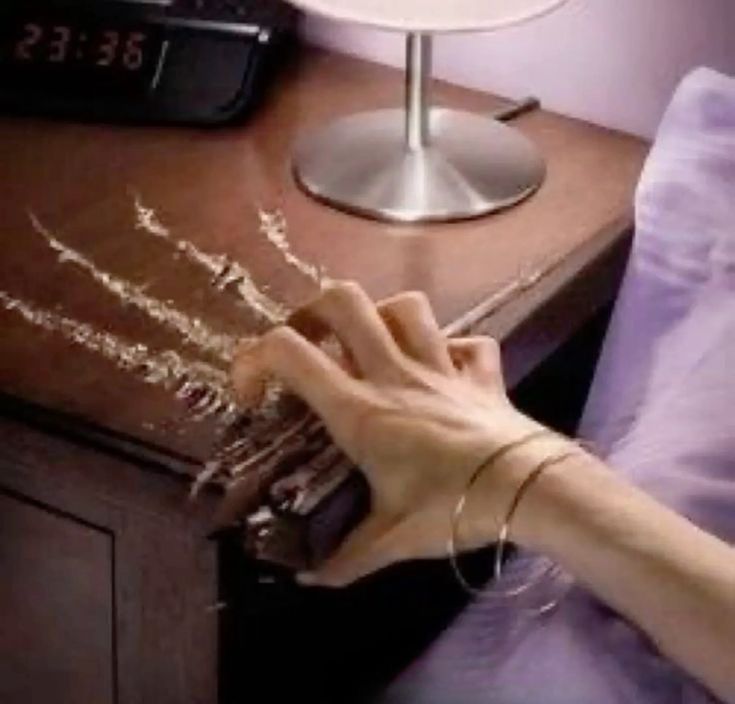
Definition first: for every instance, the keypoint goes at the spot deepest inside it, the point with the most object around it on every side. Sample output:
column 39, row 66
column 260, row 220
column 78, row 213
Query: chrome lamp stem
column 418, row 79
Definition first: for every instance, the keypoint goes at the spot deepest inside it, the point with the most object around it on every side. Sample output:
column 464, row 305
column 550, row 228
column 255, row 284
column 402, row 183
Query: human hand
column 416, row 412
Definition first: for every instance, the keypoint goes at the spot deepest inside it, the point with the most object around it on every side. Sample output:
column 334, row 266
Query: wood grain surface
column 207, row 187
column 107, row 580
column 66, row 633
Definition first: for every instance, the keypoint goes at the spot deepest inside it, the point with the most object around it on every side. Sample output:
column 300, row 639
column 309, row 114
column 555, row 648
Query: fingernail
column 249, row 386
column 306, row 579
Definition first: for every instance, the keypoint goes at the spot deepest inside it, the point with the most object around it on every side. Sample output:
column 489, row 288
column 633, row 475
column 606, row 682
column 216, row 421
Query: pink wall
column 613, row 62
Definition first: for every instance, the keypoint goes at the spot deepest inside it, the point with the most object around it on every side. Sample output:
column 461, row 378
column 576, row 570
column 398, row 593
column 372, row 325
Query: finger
column 478, row 357
column 346, row 311
column 302, row 367
column 333, row 348
column 412, row 323
column 365, row 551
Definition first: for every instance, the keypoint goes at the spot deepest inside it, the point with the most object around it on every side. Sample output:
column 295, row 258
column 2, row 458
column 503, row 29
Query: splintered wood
column 225, row 273
column 278, row 459
column 192, row 330
column 258, row 449
column 274, row 227
column 204, row 387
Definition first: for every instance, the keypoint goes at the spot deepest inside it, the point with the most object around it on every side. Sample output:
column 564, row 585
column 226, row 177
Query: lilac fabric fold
column 661, row 412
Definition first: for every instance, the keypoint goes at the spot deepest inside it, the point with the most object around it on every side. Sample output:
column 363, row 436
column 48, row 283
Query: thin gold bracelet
column 505, row 526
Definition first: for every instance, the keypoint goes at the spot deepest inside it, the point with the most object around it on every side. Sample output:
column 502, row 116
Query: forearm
column 418, row 413
column 674, row 581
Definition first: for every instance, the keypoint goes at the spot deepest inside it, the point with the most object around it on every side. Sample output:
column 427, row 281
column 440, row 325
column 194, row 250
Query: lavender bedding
column 661, row 411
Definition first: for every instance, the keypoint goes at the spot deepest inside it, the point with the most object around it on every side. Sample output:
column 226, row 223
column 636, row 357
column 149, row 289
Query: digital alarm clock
column 191, row 61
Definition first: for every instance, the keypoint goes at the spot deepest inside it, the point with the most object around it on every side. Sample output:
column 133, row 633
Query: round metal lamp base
column 473, row 166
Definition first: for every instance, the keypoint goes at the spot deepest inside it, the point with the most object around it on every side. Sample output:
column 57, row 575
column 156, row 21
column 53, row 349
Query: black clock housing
column 189, row 61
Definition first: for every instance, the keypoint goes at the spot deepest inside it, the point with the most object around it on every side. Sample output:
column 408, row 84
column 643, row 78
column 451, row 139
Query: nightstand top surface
column 207, row 186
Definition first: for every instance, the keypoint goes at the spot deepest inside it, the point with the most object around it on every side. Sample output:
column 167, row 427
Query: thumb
column 367, row 549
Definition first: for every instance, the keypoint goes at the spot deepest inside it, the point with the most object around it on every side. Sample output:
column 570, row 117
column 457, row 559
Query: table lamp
column 420, row 164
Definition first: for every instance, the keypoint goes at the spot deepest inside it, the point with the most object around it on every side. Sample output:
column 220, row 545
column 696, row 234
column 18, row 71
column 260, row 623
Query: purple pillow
column 661, row 406
column 661, row 411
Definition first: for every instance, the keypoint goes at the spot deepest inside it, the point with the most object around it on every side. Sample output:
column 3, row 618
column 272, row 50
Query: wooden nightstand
column 107, row 576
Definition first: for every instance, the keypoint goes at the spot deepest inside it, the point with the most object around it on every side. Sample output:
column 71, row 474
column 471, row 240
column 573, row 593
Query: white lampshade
column 431, row 15
column 421, row 164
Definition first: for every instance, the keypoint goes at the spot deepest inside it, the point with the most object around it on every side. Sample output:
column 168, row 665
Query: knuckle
column 490, row 349
column 344, row 291
column 414, row 300
column 481, row 343
column 412, row 296
column 280, row 339
column 490, row 344
column 484, row 350
column 409, row 307
column 416, row 296
column 409, row 298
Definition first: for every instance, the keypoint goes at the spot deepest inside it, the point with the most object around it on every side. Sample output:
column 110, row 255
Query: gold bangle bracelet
column 502, row 540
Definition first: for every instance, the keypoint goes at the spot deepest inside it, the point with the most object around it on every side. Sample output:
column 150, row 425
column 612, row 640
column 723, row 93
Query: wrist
column 555, row 501
column 492, row 474
column 532, row 451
